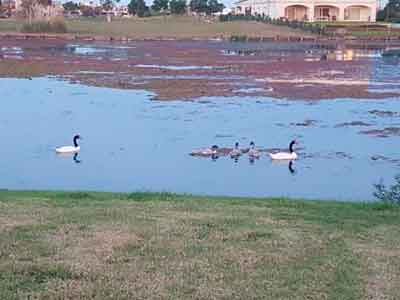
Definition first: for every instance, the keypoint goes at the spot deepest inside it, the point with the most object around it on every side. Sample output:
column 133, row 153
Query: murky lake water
column 132, row 143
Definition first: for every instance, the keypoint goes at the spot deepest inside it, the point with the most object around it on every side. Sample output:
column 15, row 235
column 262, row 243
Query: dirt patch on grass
column 87, row 251
column 381, row 269
column 9, row 223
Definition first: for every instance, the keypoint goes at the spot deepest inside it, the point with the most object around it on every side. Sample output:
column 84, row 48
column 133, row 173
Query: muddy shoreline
column 360, row 41
column 191, row 69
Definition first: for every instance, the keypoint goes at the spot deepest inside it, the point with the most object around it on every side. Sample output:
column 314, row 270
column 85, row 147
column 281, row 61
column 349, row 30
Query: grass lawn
column 364, row 29
column 165, row 27
column 60, row 245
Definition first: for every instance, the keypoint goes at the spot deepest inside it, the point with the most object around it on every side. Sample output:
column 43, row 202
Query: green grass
column 163, row 27
column 86, row 245
column 378, row 33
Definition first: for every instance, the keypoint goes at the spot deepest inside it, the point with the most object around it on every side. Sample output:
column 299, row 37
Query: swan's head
column 76, row 138
column 293, row 142
column 214, row 147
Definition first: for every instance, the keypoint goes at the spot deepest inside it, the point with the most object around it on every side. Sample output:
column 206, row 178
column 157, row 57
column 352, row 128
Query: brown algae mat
column 177, row 70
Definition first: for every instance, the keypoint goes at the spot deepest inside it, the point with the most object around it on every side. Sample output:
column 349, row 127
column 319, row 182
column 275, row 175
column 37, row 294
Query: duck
column 253, row 152
column 235, row 152
column 70, row 149
column 291, row 155
column 211, row 151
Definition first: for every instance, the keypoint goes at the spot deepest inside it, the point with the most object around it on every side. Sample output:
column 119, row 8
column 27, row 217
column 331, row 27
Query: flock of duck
column 253, row 153
column 214, row 151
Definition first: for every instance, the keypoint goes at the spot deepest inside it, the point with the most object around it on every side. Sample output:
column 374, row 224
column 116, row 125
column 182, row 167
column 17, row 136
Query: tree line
column 391, row 12
column 139, row 7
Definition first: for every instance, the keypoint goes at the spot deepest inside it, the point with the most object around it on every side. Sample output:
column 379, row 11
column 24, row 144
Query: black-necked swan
column 70, row 149
column 213, row 150
column 291, row 155
column 235, row 152
column 253, row 152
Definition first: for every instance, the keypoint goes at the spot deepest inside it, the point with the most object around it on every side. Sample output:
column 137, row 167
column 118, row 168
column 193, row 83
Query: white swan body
column 253, row 152
column 235, row 152
column 205, row 151
column 283, row 156
column 291, row 155
column 70, row 149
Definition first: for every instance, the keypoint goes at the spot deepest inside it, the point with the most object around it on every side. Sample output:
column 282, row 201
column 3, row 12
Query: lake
column 133, row 143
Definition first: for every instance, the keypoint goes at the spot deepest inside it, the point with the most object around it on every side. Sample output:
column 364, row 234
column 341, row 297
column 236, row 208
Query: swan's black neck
column 76, row 141
column 291, row 146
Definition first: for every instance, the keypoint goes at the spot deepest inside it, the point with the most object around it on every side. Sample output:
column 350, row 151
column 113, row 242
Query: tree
column 108, row 4
column 70, row 6
column 29, row 7
column 206, row 6
column 138, row 7
column 214, row 6
column 178, row 7
column 132, row 7
column 392, row 10
column 160, row 5
column 199, row 6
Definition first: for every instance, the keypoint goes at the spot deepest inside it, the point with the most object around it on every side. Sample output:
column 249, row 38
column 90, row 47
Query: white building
column 311, row 10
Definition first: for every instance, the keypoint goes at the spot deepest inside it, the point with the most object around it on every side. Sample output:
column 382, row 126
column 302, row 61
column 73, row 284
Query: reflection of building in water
column 346, row 55
column 350, row 54
column 310, row 10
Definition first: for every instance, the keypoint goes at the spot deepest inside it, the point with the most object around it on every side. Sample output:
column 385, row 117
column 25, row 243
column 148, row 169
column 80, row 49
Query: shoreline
column 76, row 193
column 278, row 38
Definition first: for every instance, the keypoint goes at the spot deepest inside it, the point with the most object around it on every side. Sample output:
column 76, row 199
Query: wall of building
column 340, row 10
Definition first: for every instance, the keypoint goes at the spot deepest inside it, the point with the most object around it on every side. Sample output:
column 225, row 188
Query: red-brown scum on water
column 186, row 70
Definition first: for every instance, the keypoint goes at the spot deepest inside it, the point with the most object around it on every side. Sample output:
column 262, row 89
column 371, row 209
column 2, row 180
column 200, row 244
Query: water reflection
column 291, row 169
column 214, row 157
column 75, row 156
column 289, row 164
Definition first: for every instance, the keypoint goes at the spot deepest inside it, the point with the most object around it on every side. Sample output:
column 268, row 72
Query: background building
column 319, row 10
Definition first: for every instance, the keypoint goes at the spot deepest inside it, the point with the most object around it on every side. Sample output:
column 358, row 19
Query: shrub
column 238, row 38
column 56, row 25
column 388, row 195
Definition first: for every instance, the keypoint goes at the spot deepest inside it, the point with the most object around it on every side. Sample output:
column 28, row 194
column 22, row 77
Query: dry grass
column 165, row 27
column 162, row 246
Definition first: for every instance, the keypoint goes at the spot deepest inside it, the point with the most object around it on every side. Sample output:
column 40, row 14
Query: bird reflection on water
column 291, row 169
column 76, row 158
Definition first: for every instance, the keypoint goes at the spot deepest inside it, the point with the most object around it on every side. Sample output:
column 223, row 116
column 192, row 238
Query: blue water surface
column 132, row 143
